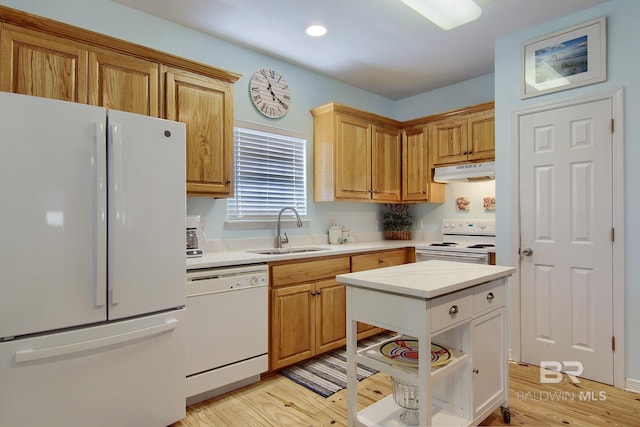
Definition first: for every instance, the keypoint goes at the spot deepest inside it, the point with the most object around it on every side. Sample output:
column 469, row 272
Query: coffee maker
column 193, row 232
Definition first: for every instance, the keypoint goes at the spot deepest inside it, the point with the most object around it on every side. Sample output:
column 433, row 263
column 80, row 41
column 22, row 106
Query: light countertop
column 244, row 257
column 428, row 279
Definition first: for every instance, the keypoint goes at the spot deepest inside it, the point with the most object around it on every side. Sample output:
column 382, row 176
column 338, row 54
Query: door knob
column 527, row 252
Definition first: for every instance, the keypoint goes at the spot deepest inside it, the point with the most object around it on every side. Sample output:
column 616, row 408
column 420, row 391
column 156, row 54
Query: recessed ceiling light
column 446, row 14
column 316, row 30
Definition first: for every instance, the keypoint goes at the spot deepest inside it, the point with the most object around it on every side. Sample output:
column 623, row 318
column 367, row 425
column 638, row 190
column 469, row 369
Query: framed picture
column 573, row 57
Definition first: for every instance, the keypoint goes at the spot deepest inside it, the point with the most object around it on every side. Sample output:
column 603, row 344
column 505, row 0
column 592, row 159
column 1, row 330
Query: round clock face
column 270, row 93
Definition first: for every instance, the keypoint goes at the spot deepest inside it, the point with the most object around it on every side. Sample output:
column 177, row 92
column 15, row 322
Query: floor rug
column 327, row 374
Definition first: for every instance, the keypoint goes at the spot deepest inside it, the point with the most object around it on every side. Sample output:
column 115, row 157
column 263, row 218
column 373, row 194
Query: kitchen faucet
column 282, row 240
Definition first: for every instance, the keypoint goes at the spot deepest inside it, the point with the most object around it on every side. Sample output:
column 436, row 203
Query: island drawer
column 488, row 296
column 451, row 308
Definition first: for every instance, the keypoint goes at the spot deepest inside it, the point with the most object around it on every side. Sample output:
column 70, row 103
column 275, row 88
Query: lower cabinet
column 308, row 309
column 308, row 306
column 489, row 359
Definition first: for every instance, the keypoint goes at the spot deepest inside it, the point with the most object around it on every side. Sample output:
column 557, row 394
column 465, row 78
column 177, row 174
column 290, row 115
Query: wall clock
column 270, row 93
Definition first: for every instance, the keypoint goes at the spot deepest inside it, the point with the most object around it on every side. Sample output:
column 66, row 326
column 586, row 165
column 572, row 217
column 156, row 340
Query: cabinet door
column 385, row 164
column 488, row 347
column 415, row 165
column 292, row 337
column 448, row 140
column 353, row 158
column 330, row 315
column 49, row 67
column 206, row 106
column 481, row 145
column 122, row 82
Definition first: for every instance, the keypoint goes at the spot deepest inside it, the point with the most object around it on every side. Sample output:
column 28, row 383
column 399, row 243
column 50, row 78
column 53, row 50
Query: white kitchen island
column 456, row 305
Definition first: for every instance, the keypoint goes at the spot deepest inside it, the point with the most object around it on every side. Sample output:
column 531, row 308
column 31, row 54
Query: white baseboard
column 632, row 385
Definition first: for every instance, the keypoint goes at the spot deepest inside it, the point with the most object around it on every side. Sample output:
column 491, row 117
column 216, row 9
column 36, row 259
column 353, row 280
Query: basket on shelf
column 398, row 234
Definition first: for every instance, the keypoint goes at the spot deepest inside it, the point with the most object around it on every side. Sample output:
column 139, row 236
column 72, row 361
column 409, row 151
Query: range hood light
column 470, row 172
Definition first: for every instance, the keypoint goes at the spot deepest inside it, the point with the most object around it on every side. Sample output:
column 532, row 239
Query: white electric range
column 463, row 240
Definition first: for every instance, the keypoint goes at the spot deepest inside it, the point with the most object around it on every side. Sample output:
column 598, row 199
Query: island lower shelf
column 385, row 413
column 372, row 358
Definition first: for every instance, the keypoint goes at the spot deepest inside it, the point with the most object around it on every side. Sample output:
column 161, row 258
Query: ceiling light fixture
column 446, row 14
column 316, row 31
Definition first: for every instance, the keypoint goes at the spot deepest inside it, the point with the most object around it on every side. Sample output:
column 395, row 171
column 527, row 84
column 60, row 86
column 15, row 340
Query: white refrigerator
column 92, row 266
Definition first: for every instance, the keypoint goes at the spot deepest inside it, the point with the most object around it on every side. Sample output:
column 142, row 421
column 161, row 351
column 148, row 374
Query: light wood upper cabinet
column 353, row 158
column 122, row 82
column 482, row 136
column 416, row 174
column 357, row 155
column 463, row 138
column 385, row 164
column 205, row 105
column 51, row 67
column 46, row 58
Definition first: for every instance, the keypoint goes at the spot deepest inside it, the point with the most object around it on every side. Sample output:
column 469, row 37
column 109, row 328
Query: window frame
column 267, row 220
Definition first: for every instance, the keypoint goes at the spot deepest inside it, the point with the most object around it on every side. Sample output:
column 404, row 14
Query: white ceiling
column 381, row 46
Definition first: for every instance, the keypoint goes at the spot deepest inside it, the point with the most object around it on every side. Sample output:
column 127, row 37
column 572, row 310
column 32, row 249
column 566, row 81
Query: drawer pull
column 490, row 296
column 476, row 371
column 453, row 309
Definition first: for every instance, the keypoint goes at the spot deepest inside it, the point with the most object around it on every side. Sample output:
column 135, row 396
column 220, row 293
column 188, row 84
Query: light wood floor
column 278, row 402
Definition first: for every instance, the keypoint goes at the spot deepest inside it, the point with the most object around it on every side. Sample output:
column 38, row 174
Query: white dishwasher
column 227, row 329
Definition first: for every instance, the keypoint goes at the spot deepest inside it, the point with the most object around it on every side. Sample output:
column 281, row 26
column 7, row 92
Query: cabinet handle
column 490, row 296
column 453, row 309
column 381, row 261
column 424, row 191
column 228, row 182
column 476, row 371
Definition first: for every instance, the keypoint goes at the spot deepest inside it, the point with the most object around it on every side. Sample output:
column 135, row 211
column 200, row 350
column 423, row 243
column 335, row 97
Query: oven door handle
column 454, row 256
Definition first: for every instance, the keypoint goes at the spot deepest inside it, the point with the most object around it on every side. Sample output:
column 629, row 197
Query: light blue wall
column 470, row 92
column 623, row 63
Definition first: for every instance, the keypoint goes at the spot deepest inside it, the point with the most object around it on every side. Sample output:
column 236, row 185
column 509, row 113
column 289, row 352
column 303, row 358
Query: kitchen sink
column 284, row 251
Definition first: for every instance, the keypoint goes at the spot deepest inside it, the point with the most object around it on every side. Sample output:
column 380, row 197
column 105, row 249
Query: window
column 269, row 173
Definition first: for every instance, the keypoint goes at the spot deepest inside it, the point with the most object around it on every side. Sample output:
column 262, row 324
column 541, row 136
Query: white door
column 52, row 244
column 147, row 205
column 566, row 226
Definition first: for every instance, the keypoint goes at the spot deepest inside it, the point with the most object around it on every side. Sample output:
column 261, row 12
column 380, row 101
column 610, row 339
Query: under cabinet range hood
column 469, row 172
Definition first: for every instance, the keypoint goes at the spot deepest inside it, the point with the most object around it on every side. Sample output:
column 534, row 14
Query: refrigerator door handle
column 30, row 355
column 101, row 219
column 117, row 186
